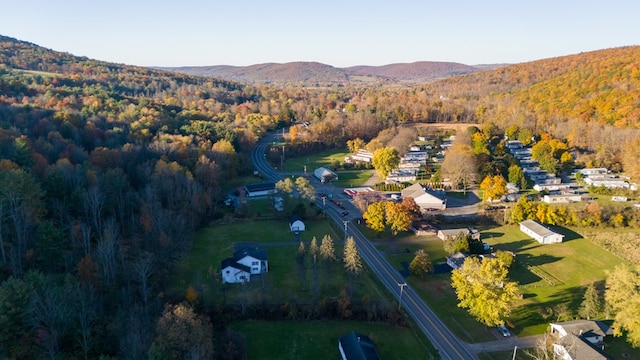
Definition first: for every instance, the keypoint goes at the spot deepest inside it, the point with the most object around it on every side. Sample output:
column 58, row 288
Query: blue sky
column 339, row 33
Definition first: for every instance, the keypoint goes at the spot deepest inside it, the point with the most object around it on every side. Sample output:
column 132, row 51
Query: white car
column 504, row 331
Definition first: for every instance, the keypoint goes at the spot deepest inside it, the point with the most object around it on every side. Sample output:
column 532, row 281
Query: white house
column 540, row 233
column 234, row 273
column 445, row 234
column 295, row 224
column 244, row 263
column 425, row 199
column 562, row 198
column 579, row 339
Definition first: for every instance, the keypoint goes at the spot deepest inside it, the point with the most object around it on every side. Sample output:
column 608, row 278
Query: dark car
column 344, row 213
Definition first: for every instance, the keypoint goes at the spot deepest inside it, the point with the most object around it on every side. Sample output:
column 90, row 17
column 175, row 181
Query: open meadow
column 287, row 284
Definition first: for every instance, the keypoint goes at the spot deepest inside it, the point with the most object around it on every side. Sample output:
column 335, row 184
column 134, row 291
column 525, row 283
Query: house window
column 254, row 263
column 255, row 269
column 228, row 271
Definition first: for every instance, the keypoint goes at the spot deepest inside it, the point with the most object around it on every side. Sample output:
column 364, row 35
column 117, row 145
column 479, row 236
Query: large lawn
column 319, row 339
column 314, row 161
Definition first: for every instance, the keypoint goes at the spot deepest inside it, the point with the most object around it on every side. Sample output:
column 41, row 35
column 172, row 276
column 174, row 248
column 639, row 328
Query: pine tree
column 590, row 307
column 351, row 257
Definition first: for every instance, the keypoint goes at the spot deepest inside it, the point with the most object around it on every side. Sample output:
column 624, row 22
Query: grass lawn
column 550, row 275
column 319, row 339
column 352, row 178
column 314, row 161
column 211, row 245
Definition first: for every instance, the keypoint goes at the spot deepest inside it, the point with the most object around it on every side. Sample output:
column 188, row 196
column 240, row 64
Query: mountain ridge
column 315, row 72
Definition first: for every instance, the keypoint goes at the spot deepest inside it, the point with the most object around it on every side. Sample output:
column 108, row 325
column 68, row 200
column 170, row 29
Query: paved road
column 447, row 344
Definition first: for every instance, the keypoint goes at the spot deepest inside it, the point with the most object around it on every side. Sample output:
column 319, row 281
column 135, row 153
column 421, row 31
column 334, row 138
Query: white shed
column 540, row 233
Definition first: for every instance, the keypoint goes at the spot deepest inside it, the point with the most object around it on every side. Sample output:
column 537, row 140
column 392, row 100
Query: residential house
column 540, row 233
column 445, row 234
column 562, row 198
column 354, row 346
column 580, row 339
column 295, row 224
column 362, row 156
column 456, row 260
column 244, row 263
column 424, row 198
column 234, row 273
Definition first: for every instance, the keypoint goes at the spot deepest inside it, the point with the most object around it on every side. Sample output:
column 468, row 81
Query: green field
column 548, row 275
column 314, row 161
column 319, row 339
column 352, row 178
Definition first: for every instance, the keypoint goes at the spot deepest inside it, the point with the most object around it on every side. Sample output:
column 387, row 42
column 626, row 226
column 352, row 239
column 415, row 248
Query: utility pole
column 346, row 222
column 400, row 298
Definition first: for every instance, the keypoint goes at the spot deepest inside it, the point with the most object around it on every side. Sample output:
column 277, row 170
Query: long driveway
column 446, row 343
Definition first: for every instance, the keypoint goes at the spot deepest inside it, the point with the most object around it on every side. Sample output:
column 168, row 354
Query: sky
column 338, row 33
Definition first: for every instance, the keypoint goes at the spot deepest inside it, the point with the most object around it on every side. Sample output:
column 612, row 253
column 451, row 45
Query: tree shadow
column 526, row 269
column 491, row 234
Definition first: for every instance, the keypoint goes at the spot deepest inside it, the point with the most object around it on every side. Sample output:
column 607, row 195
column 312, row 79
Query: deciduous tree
column 421, row 265
column 397, row 217
column 483, row 288
column 384, row 160
column 622, row 296
column 375, row 216
column 494, row 186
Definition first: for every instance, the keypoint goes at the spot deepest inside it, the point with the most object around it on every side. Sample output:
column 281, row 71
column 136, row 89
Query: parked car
column 504, row 331
column 344, row 213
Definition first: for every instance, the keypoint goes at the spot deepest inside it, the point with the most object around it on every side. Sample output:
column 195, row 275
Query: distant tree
column 516, row 176
column 590, row 307
column 458, row 243
column 483, row 288
column 459, row 164
column 327, row 249
column 630, row 156
column 505, row 257
column 622, row 297
column 305, row 189
column 180, row 334
column 397, row 217
column 412, row 208
column 375, row 216
column 384, row 160
column 495, row 187
column 421, row 265
column 355, row 145
column 285, row 185
column 511, row 132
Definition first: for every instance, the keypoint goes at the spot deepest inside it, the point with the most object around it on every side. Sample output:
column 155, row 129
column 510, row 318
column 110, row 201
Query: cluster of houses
column 557, row 192
column 597, row 177
column 409, row 166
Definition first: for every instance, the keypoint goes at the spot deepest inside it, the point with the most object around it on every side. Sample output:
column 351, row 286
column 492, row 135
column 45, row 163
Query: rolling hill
column 311, row 73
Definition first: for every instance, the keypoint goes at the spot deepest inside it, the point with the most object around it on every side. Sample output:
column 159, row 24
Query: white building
column 540, row 233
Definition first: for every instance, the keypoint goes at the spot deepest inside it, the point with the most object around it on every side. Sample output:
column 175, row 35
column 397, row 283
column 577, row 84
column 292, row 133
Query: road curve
column 446, row 343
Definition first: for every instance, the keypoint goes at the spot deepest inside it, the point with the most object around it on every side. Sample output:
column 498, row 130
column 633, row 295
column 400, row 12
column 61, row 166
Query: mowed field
column 549, row 275
column 287, row 284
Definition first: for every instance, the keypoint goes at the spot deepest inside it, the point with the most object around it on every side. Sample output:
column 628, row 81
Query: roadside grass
column 319, row 339
column 352, row 178
column 314, row 161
